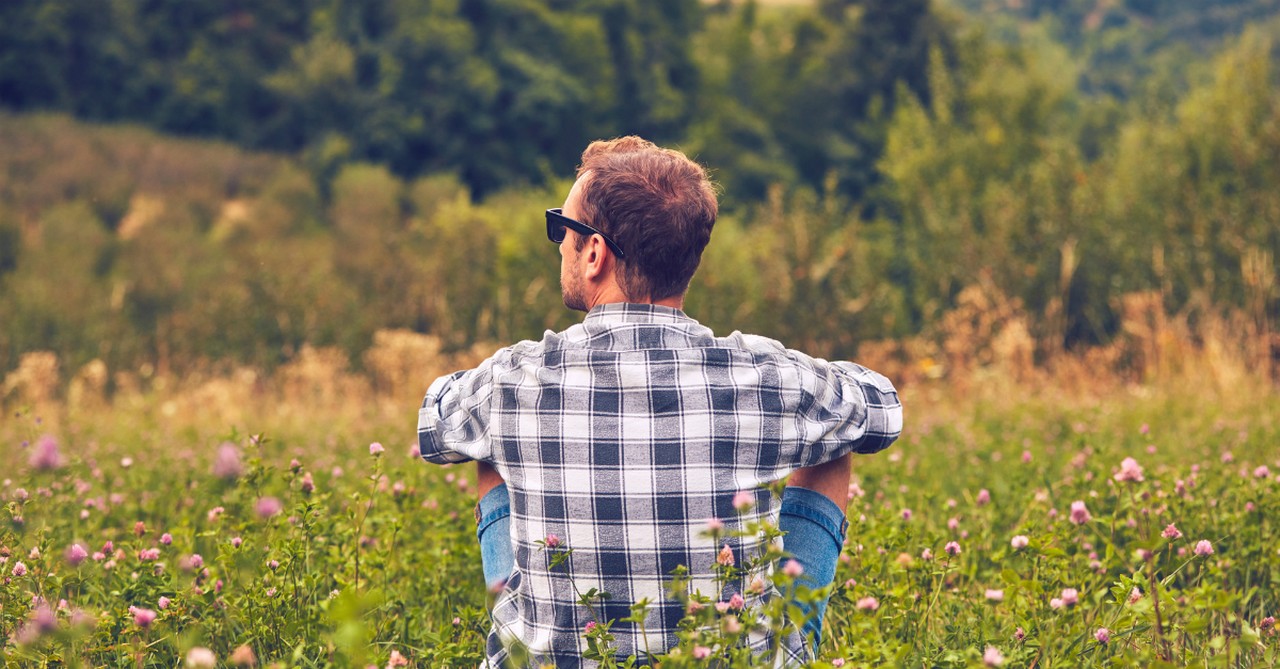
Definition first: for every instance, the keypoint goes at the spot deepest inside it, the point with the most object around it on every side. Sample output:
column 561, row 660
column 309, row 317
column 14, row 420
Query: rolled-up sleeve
column 853, row 409
column 453, row 423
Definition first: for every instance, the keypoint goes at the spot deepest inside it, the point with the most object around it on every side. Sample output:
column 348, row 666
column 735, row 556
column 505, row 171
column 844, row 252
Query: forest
column 191, row 183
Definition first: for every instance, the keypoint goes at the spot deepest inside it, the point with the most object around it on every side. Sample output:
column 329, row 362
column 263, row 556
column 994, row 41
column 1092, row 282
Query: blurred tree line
column 500, row 92
column 390, row 161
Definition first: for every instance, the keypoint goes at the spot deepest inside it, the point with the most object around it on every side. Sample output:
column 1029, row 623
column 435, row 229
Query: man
column 621, row 437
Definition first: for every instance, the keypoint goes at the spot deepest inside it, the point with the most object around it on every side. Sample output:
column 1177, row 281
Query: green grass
column 381, row 555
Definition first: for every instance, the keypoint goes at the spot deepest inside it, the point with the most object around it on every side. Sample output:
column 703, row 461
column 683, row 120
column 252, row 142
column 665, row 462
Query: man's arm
column 488, row 478
column 831, row 479
column 453, row 422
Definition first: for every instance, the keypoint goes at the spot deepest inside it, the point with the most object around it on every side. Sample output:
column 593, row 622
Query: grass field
column 1004, row 529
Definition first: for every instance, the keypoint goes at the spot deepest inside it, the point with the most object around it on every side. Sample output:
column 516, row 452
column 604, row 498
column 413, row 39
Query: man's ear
column 595, row 261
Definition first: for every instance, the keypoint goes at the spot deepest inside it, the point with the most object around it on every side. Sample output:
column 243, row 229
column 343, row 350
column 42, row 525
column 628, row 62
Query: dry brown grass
column 982, row 351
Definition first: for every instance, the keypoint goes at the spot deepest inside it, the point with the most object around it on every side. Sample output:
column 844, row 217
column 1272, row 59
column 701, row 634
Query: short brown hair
column 658, row 205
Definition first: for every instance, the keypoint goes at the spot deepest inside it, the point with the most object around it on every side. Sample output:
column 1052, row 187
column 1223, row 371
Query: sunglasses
column 557, row 222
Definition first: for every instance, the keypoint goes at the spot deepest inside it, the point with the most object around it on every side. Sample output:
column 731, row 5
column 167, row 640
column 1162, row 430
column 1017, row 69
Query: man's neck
column 612, row 294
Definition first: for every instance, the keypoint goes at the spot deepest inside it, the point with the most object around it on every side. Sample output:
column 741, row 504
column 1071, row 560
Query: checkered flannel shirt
column 622, row 436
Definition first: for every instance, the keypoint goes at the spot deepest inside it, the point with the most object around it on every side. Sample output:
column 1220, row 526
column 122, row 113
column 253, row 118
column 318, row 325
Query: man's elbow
column 433, row 451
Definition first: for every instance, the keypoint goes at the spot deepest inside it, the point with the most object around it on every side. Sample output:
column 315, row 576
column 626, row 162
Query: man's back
column 619, row 439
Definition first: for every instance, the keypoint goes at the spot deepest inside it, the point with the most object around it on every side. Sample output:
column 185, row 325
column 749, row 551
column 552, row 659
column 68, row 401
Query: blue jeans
column 815, row 529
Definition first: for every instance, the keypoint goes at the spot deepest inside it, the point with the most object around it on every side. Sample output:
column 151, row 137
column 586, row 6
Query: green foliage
column 876, row 158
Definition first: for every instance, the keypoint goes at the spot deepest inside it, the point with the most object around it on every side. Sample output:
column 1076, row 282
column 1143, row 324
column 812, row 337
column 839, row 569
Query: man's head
column 656, row 204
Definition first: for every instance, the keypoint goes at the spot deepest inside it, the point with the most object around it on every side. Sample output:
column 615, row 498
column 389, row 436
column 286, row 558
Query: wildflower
column 201, row 658
column 906, row 514
column 953, row 523
column 1203, row 547
column 76, row 554
column 714, row 524
column 952, row 548
column 46, row 456
column 1055, row 603
column 1026, row 456
column 838, row 662
column 194, row 562
column 736, row 602
column 139, row 528
column 867, row 604
column 701, row 652
column 1079, row 514
column 143, row 617
column 732, row 625
column 590, row 626
column 1227, row 457
column 1261, row 472
column 243, row 656
column 793, row 568
column 1103, row 635
column 994, row 595
column 743, row 500
column 1019, row 634
column 272, row 565
column 44, row 619
column 166, row 538
column 19, row 569
column 1019, row 542
column 1130, row 470
column 236, row 542
column 1070, row 596
column 267, row 507
column 226, row 461
column 1267, row 623
column 1171, row 532
column 376, row 449
column 725, row 558
column 149, row 554
column 992, row 657
column 308, row 484
column 553, row 541
column 984, row 497
column 397, row 660
column 215, row 513
column 1134, row 595
column 926, row 554
column 163, row 602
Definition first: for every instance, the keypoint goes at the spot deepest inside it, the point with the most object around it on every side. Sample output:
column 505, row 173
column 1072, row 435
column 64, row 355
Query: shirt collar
column 632, row 312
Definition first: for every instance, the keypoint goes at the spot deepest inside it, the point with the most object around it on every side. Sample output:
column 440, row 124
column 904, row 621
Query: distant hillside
column 1123, row 44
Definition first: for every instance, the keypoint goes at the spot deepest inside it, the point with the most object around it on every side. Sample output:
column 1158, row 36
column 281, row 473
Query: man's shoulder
column 769, row 348
column 513, row 354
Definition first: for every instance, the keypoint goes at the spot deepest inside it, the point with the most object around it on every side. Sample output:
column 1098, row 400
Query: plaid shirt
column 622, row 436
